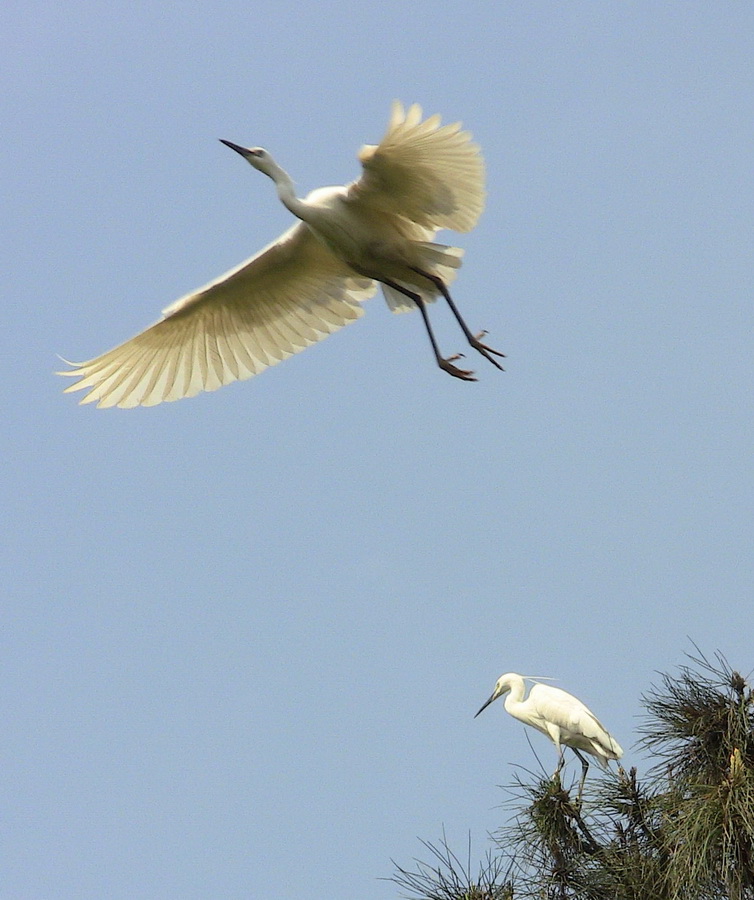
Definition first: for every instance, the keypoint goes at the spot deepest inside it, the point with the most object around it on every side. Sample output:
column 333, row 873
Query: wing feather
column 290, row 295
column 578, row 724
column 430, row 174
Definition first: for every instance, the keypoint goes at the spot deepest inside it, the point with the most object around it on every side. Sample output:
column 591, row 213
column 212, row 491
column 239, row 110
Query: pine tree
column 686, row 832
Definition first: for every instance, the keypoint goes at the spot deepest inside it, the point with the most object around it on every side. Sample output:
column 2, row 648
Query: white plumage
column 312, row 280
column 559, row 715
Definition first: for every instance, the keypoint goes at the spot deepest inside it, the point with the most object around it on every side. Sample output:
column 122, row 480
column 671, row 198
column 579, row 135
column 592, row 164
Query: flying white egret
column 559, row 715
column 309, row 282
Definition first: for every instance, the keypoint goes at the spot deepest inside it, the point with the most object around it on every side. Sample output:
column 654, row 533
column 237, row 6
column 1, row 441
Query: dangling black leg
column 474, row 340
column 444, row 363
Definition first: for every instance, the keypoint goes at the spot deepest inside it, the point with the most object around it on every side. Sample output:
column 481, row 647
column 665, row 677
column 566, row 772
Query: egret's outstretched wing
column 430, row 174
column 290, row 295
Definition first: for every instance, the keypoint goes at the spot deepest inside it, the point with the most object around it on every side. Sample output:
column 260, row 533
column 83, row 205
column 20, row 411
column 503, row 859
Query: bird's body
column 372, row 242
column 312, row 280
column 562, row 717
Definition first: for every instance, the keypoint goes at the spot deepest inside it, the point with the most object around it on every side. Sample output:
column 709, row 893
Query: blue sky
column 245, row 634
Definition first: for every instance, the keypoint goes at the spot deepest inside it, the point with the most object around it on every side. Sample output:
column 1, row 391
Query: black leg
column 556, row 773
column 444, row 363
column 473, row 339
column 584, row 770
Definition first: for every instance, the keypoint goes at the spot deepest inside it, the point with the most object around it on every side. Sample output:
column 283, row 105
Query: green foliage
column 702, row 730
column 685, row 833
column 447, row 878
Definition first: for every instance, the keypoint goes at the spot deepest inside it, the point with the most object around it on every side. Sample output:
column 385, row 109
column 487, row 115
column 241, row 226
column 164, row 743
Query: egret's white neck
column 515, row 694
column 286, row 191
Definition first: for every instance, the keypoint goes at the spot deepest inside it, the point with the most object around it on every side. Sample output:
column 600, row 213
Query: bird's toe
column 485, row 350
column 447, row 366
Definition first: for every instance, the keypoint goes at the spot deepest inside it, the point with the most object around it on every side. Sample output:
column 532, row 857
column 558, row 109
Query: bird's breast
column 351, row 239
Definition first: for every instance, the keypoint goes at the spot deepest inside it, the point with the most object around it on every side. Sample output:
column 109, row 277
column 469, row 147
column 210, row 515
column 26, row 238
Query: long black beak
column 486, row 704
column 242, row 150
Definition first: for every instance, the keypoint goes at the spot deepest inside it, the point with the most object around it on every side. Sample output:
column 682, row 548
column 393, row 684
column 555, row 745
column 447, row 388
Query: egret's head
column 502, row 686
column 255, row 156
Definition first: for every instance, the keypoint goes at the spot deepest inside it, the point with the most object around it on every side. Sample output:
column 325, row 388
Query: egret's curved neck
column 286, row 191
column 515, row 694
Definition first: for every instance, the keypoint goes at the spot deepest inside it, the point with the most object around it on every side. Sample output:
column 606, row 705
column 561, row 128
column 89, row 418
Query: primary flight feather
column 311, row 281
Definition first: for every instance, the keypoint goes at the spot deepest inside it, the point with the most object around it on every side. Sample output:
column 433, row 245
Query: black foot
column 477, row 344
column 447, row 366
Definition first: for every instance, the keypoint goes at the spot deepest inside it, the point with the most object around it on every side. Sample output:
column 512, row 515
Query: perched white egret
column 559, row 715
column 310, row 282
